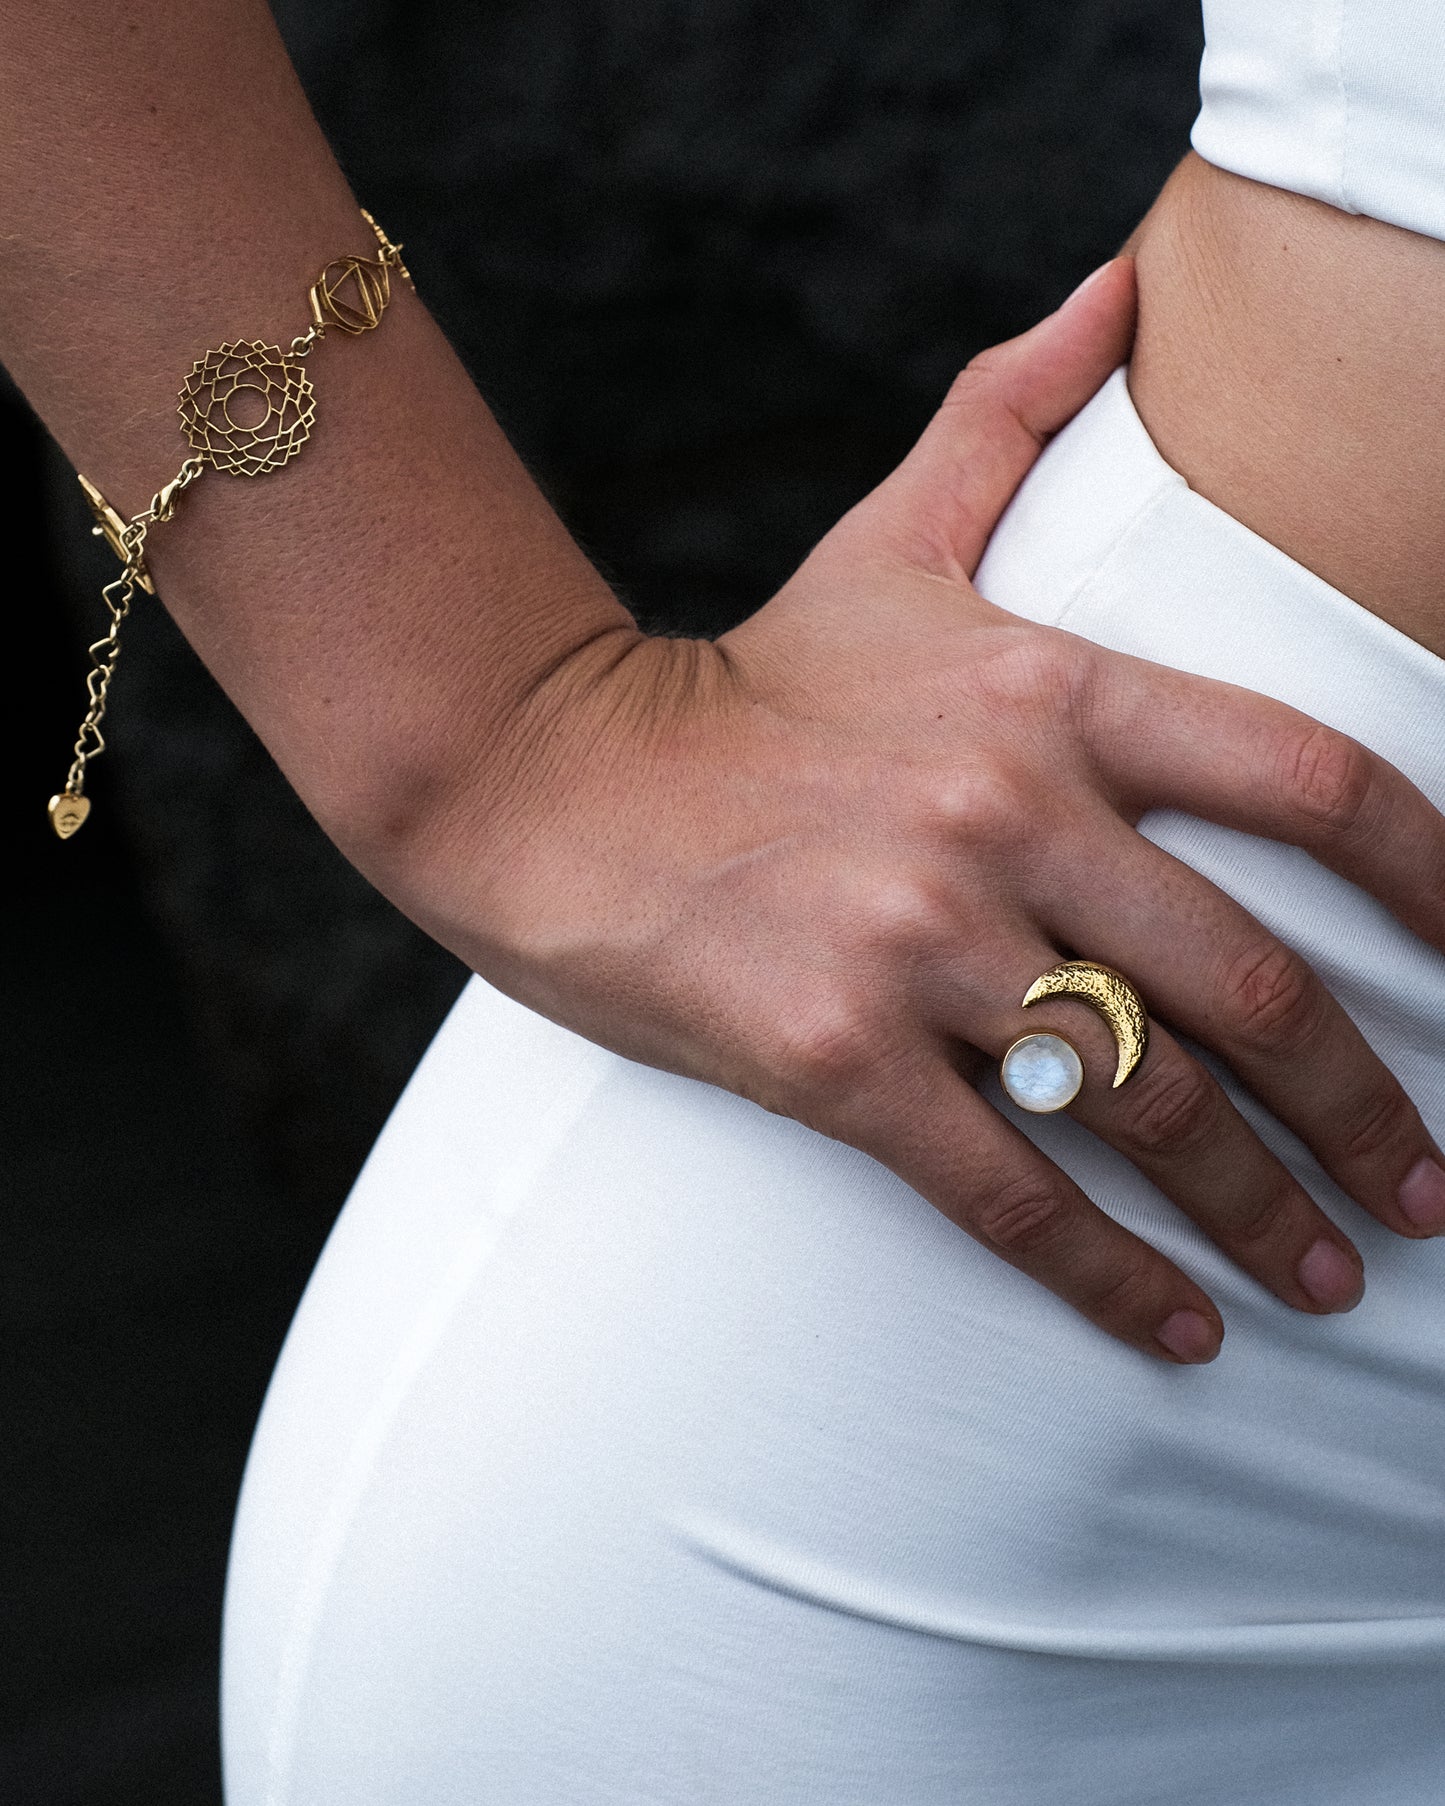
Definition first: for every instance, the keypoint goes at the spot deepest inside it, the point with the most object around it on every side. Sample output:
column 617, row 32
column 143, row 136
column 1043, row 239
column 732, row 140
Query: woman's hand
column 816, row 862
column 819, row 861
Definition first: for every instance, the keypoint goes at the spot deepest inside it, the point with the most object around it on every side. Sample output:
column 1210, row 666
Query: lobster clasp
column 111, row 528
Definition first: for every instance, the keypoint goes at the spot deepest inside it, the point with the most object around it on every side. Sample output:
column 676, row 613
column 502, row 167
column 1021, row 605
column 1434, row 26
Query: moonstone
column 1041, row 1073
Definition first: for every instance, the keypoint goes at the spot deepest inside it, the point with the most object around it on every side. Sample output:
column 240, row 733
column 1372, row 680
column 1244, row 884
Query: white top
column 1340, row 99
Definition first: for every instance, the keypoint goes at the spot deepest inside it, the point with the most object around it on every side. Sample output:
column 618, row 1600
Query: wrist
column 530, row 865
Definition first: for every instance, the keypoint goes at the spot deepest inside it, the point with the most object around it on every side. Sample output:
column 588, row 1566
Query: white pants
column 633, row 1445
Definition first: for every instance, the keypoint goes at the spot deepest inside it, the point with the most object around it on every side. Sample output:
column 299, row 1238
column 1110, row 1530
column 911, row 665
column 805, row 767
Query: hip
column 603, row 1359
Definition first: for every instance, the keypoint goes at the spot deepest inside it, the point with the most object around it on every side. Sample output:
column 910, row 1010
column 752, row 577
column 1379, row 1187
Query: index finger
column 1274, row 771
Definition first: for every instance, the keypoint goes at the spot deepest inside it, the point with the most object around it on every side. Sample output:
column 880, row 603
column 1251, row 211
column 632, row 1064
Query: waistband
column 1106, row 539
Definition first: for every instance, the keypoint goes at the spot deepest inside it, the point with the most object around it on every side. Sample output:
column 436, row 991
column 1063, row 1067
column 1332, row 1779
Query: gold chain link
column 118, row 596
column 350, row 294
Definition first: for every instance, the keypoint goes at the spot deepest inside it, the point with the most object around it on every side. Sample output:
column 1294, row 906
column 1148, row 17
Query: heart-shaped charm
column 68, row 813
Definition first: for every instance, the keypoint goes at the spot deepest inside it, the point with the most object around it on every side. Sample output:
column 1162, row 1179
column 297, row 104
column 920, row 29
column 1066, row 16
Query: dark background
column 713, row 262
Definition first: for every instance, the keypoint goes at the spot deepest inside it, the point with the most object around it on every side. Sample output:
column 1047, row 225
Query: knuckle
column 1035, row 673
column 1175, row 1112
column 827, row 1049
column 987, row 381
column 900, row 911
column 1273, row 1000
column 1265, row 1216
column 1022, row 1217
column 973, row 377
column 980, row 377
column 987, row 809
column 1331, row 779
column 1370, row 1125
column 1128, row 1291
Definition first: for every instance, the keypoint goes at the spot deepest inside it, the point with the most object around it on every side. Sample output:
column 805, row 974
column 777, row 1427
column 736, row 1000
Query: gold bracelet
column 245, row 408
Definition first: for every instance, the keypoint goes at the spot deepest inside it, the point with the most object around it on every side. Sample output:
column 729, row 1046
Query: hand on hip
column 821, row 860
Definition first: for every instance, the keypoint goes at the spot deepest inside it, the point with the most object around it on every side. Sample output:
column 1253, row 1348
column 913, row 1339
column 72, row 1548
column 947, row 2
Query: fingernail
column 1188, row 1336
column 1088, row 282
column 1330, row 1277
column 1422, row 1196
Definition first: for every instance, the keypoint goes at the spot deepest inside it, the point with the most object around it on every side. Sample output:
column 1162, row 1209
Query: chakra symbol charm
column 247, row 409
column 351, row 294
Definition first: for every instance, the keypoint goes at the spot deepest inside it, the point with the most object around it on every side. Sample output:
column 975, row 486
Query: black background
column 713, row 262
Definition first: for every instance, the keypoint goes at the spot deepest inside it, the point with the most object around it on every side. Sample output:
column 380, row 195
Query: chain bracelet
column 246, row 408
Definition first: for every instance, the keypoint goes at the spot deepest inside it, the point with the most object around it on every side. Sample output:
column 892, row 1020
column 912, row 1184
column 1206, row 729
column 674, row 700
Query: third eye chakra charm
column 351, row 293
column 247, row 409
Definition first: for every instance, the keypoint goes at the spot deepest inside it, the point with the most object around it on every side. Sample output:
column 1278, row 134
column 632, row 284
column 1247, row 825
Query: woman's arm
column 402, row 583
column 817, row 861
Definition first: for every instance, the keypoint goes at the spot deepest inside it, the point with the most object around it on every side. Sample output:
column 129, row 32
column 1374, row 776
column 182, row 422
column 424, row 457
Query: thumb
column 945, row 498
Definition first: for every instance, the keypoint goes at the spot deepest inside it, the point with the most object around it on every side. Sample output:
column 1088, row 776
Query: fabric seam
column 1119, row 541
column 1342, row 86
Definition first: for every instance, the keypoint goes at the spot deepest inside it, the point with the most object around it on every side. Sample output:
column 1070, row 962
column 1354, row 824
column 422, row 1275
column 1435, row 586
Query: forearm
column 385, row 608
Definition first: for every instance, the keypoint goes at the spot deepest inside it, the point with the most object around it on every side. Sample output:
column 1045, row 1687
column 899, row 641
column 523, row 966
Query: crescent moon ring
column 1108, row 992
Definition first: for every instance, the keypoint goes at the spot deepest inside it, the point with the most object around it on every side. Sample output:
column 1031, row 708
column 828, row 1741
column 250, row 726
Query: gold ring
column 1044, row 1072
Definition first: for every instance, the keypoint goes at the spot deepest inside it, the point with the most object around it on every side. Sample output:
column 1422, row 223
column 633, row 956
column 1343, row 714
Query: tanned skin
column 819, row 860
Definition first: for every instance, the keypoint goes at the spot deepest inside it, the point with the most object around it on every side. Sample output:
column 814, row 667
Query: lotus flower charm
column 247, row 409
